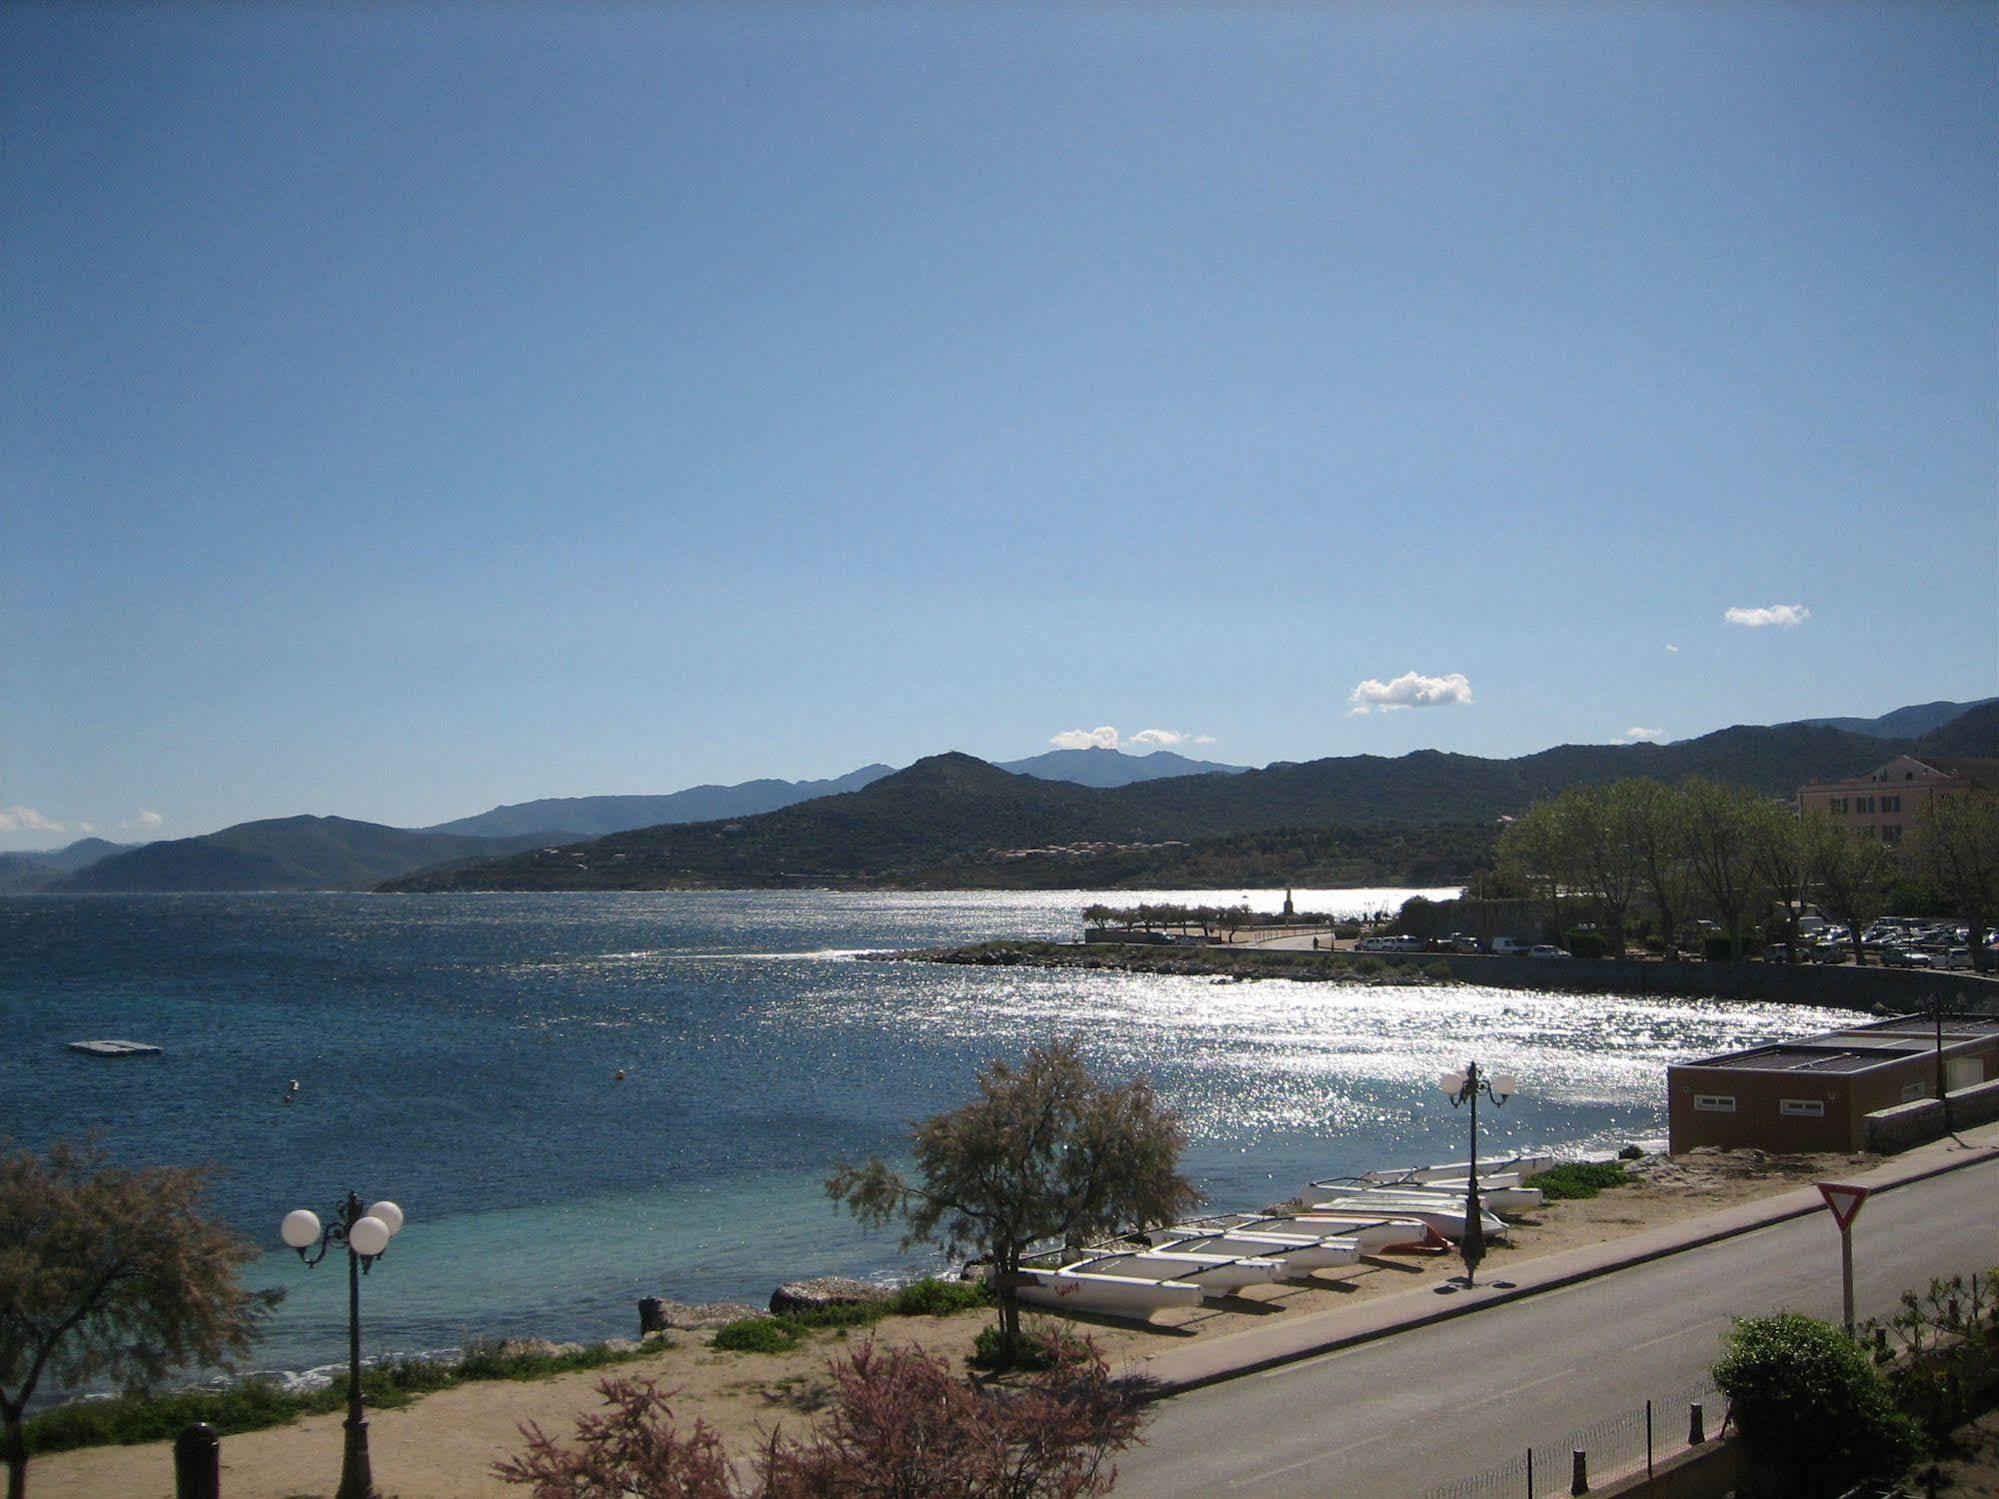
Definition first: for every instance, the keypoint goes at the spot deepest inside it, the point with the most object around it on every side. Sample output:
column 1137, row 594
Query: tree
column 1600, row 836
column 1659, row 839
column 901, row 1426
column 1956, row 852
column 1720, row 845
column 1852, row 874
column 1044, row 1153
column 111, row 1273
column 1781, row 854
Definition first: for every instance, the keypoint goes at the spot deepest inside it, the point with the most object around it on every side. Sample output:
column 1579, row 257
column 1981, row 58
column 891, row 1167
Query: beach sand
column 443, row 1445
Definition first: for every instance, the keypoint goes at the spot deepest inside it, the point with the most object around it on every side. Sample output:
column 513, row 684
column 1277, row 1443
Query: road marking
column 1669, row 1336
column 1313, row 1460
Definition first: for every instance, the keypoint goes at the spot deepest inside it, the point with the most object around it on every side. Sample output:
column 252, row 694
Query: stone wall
column 1832, row 987
column 1889, row 1131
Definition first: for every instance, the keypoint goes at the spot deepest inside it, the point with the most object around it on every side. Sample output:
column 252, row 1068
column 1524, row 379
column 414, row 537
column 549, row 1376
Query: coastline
column 443, row 1444
column 1223, row 963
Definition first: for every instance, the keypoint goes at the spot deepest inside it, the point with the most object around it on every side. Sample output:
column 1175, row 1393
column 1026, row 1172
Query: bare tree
column 111, row 1273
column 1044, row 1153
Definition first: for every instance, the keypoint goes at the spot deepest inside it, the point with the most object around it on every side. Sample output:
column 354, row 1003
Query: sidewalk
column 1177, row 1370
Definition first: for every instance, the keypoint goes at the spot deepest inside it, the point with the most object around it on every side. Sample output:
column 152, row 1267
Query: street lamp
column 1465, row 1087
column 366, row 1233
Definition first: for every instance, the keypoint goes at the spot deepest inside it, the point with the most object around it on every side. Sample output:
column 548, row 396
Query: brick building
column 1815, row 1094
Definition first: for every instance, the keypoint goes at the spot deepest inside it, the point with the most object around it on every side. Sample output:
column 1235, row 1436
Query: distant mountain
column 1109, row 767
column 1911, row 722
column 954, row 820
column 594, row 816
column 25, row 871
column 288, row 853
column 1973, row 734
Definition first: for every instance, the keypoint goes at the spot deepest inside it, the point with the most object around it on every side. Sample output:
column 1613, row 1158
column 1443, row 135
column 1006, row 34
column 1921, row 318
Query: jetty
column 115, row 1048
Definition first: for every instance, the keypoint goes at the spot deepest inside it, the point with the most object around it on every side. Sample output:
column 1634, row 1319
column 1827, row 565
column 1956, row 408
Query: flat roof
column 1877, row 1043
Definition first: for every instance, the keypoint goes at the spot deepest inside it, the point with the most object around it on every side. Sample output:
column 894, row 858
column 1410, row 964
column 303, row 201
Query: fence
column 1627, row 1442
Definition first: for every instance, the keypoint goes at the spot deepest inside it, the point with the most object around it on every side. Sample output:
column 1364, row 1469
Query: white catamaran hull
column 1448, row 1221
column 1298, row 1254
column 1113, row 1295
column 1217, row 1274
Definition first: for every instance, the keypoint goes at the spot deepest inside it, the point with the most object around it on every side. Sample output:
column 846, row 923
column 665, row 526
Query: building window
column 1913, row 1091
column 1892, row 833
column 1863, row 804
column 1801, row 1108
column 1714, row 1103
column 1839, row 805
column 1891, row 804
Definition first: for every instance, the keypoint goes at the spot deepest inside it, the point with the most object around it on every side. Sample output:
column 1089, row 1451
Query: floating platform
column 115, row 1048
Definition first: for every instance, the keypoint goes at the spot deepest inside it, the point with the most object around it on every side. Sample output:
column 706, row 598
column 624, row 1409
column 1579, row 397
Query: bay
column 458, row 1054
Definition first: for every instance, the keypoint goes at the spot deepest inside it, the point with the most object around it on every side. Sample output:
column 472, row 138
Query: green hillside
column 286, row 853
column 952, row 820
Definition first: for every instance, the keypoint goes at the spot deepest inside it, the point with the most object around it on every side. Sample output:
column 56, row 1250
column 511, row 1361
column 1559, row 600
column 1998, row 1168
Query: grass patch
column 929, row 1297
column 255, row 1404
column 1579, row 1179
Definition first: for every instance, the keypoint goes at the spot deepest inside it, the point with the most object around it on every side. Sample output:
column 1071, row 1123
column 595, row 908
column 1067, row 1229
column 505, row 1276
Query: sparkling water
column 459, row 1055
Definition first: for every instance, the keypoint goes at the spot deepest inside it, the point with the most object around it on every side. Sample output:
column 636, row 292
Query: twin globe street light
column 366, row 1233
column 1465, row 1087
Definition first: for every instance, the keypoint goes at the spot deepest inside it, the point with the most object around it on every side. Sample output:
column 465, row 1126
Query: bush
column 1347, row 931
column 1579, row 1179
column 1370, row 964
column 1717, row 949
column 931, row 1297
column 1655, row 945
column 993, row 1351
column 1806, row 1398
column 1586, row 943
column 759, row 1335
column 250, row 1406
column 1437, row 970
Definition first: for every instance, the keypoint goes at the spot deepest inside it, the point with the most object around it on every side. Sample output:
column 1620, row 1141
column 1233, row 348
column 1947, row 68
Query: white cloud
column 1164, row 738
column 28, row 820
column 1410, row 691
column 1099, row 738
column 150, row 820
column 1674, row 649
column 1789, row 616
column 1204, row 739
column 1653, row 735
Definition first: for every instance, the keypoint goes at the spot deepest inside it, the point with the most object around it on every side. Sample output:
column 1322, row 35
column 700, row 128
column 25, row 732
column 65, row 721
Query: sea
column 460, row 1056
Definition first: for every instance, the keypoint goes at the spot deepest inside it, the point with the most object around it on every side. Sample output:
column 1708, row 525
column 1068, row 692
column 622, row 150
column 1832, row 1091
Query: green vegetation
column 929, row 1297
column 1807, row 1400
column 257, row 1403
column 1579, row 1179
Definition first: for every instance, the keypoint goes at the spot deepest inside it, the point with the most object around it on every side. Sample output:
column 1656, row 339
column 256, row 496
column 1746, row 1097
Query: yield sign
column 1844, row 1201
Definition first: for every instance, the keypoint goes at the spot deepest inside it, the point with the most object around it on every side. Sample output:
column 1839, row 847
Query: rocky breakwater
column 1222, row 962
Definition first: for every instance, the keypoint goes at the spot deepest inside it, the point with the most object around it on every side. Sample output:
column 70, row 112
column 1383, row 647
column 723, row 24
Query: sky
column 412, row 408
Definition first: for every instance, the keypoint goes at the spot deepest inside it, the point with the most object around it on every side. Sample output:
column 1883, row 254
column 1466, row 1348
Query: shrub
column 1370, row 964
column 249, row 1406
column 759, row 1335
column 1579, row 1179
column 1655, row 945
column 995, row 1352
column 1586, row 943
column 1437, row 970
column 1717, row 949
column 931, row 1297
column 1806, row 1398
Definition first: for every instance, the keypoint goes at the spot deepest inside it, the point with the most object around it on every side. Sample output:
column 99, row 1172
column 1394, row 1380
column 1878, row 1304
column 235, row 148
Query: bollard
column 1955, row 1316
column 652, row 1315
column 198, row 1463
column 1579, row 1478
column 1696, row 1425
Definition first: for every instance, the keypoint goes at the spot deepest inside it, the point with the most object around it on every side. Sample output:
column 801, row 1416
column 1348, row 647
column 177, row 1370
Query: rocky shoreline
column 1224, row 964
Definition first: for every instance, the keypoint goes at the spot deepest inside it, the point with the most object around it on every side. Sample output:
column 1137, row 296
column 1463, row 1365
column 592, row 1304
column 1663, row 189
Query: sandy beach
column 443, row 1446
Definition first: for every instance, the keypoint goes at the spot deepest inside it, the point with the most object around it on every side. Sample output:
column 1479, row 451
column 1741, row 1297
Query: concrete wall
column 1841, row 988
column 1710, row 1471
column 1906, row 1125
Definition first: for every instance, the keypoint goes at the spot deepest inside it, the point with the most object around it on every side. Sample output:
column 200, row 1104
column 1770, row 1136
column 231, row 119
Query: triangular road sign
column 1844, row 1201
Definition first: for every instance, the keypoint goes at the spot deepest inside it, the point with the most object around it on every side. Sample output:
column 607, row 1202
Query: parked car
column 1464, row 942
column 1373, row 944
column 1511, row 947
column 1546, row 950
column 1902, row 957
column 1953, row 957
column 1404, row 944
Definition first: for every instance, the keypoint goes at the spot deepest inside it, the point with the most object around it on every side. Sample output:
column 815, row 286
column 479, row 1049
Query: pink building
column 1885, row 802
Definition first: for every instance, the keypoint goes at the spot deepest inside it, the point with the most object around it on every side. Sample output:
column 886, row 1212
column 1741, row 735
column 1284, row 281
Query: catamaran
column 1113, row 1295
column 1499, row 1196
column 1445, row 1217
column 1299, row 1254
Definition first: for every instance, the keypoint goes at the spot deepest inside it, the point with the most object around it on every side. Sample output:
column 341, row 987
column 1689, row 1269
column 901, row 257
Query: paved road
column 1400, row 1416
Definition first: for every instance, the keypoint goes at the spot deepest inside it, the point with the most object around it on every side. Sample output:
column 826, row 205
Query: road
column 1405, row 1414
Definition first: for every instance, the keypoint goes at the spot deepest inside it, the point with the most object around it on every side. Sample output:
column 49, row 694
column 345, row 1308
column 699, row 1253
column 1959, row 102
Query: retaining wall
column 1826, row 985
column 1890, row 1131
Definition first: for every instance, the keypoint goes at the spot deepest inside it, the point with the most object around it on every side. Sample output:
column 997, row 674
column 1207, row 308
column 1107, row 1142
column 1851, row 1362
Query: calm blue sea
column 456, row 1054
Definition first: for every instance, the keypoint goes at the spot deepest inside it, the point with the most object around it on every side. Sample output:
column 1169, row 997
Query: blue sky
column 412, row 408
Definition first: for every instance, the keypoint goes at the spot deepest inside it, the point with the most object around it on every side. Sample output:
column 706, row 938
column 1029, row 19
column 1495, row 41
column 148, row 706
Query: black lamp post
column 1937, row 1007
column 1465, row 1087
column 366, row 1233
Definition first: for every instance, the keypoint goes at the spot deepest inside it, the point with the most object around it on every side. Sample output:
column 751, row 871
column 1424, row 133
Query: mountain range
column 1911, row 722
column 952, row 820
column 1160, row 819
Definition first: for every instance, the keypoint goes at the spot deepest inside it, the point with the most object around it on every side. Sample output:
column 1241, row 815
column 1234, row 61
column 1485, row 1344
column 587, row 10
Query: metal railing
column 1631, row 1441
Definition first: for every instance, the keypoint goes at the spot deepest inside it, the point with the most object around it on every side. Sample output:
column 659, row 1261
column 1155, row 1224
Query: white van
column 1511, row 947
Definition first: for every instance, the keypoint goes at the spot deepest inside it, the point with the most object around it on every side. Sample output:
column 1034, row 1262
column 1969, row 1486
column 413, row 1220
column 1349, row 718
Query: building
column 1887, row 802
column 1816, row 1094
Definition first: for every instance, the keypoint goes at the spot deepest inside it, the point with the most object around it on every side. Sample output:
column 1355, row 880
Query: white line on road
column 1669, row 1336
